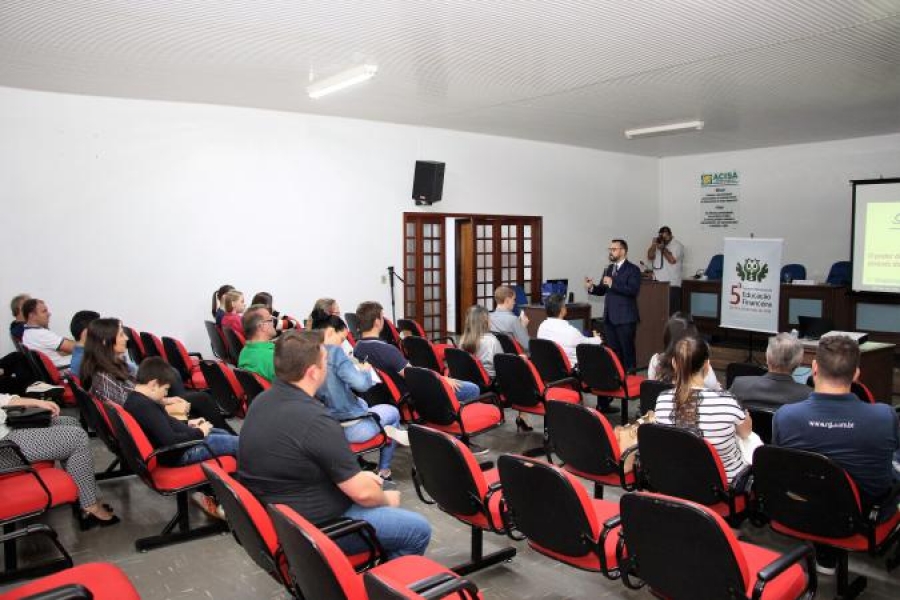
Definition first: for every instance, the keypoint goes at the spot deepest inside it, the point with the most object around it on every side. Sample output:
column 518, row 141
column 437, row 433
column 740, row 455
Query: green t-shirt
column 259, row 357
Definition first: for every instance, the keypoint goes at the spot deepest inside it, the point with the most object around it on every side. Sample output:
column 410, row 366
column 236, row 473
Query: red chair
column 216, row 341
column 465, row 367
column 810, row 497
column 186, row 363
column 553, row 511
column 585, row 442
column 390, row 334
column 551, row 360
column 601, row 372
column 525, row 391
column 422, row 353
column 29, row 491
column 234, row 341
column 685, row 551
column 252, row 527
column 446, row 473
column 252, row 383
column 436, row 406
column 91, row 413
column 97, row 581
column 374, row 443
column 135, row 345
column 320, row 570
column 509, row 344
column 411, row 327
column 446, row 585
column 52, row 375
column 677, row 462
column 153, row 346
column 142, row 459
column 224, row 387
column 391, row 390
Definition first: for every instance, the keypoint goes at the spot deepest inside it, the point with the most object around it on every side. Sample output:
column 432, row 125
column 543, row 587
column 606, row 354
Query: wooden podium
column 653, row 306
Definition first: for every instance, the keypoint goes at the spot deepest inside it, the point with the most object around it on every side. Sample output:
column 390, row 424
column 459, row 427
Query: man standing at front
column 292, row 452
column 621, row 284
column 665, row 255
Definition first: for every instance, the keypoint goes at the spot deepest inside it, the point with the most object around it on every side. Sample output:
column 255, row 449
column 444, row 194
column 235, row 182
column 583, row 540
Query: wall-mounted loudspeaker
column 428, row 183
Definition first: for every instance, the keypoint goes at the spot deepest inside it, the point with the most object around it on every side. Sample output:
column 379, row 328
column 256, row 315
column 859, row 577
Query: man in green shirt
column 258, row 354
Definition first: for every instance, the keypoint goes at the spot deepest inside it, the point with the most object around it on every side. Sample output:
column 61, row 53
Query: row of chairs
column 839, row 273
column 305, row 559
column 635, row 540
column 143, row 344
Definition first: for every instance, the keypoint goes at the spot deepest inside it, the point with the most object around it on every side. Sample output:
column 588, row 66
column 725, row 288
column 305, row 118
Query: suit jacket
column 771, row 388
column 621, row 297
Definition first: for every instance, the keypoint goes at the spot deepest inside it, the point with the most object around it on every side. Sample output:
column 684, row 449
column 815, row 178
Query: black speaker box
column 428, row 183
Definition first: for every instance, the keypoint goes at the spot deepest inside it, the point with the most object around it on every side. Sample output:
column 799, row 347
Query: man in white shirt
column 666, row 255
column 37, row 336
column 556, row 329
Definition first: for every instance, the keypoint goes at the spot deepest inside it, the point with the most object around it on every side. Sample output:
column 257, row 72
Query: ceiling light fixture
column 664, row 129
column 341, row 80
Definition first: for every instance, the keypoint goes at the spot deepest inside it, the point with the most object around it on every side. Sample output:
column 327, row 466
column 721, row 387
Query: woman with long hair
column 715, row 414
column 478, row 340
column 217, row 311
column 107, row 374
column 660, row 368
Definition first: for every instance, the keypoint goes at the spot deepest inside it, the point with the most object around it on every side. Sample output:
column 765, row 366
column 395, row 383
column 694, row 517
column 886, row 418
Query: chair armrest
column 623, row 458
column 612, row 522
column 443, row 585
column 891, row 497
column 70, row 591
column 32, row 529
column 10, row 450
column 486, row 465
column 783, row 563
column 343, row 526
column 561, row 382
column 174, row 447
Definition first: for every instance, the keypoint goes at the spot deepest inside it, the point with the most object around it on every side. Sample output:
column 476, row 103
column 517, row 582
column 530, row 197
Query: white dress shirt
column 566, row 335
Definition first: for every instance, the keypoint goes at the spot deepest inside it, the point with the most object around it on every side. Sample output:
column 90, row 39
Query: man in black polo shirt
column 293, row 452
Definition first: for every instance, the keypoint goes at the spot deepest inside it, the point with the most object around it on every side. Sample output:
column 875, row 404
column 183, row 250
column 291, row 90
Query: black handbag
column 27, row 417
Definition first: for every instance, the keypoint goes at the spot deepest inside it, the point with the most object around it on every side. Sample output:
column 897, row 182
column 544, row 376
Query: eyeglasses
column 614, row 249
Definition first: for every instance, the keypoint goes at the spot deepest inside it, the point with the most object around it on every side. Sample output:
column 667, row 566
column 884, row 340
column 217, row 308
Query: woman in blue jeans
column 342, row 379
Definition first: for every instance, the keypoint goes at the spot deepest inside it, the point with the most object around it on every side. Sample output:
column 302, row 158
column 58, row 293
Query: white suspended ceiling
column 758, row 72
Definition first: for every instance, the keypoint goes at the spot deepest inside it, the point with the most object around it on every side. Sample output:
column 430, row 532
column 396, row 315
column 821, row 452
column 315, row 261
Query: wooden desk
column 536, row 314
column 876, row 364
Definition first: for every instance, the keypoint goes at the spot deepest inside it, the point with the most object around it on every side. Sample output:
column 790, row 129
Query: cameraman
column 666, row 254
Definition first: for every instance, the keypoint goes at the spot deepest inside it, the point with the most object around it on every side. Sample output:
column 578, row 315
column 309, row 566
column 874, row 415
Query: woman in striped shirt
column 715, row 414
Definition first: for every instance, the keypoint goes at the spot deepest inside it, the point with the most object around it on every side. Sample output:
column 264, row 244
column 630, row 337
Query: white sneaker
column 401, row 436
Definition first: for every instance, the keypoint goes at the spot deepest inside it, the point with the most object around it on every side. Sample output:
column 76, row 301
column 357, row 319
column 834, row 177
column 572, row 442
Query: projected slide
column 876, row 239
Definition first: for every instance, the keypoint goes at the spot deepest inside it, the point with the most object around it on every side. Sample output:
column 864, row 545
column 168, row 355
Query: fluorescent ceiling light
column 341, row 80
column 664, row 129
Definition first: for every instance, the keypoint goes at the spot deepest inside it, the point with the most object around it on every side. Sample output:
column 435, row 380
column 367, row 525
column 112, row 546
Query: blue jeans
column 400, row 531
column 219, row 441
column 467, row 392
column 367, row 429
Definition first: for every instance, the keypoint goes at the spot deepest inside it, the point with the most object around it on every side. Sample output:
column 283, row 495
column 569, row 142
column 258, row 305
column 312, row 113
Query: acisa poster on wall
column 719, row 199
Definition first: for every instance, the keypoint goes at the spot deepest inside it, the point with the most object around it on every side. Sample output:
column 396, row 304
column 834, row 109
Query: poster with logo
column 719, row 201
column 750, row 284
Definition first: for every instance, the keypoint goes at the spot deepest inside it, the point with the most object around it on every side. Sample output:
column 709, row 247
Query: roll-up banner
column 751, row 284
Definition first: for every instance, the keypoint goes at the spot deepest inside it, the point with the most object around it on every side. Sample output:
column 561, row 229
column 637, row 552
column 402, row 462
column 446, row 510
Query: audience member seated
column 78, row 326
column 556, row 329
column 17, row 327
column 678, row 326
column 217, row 299
column 388, row 358
column 342, row 378
column 37, row 336
column 233, row 305
column 715, row 414
column 478, row 340
column 783, row 354
column 293, row 452
column 257, row 355
column 282, row 321
column 107, row 374
column 861, row 437
column 504, row 320
column 64, row 440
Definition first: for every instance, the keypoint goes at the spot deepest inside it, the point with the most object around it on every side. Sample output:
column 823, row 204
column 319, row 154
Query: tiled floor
column 217, row 567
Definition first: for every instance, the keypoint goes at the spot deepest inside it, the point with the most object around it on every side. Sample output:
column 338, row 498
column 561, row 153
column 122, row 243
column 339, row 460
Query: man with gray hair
column 777, row 387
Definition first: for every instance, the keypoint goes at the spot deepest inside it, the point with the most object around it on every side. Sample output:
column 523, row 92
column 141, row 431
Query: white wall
column 139, row 209
column 801, row 193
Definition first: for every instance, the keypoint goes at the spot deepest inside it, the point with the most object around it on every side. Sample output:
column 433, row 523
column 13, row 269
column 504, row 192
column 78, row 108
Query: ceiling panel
column 574, row 72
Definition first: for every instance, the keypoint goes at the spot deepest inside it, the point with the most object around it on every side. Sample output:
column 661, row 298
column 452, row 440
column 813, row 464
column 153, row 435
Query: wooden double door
column 488, row 251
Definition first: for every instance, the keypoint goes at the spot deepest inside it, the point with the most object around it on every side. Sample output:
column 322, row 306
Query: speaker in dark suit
column 621, row 284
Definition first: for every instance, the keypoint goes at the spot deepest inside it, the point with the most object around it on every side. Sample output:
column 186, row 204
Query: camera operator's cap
column 665, row 229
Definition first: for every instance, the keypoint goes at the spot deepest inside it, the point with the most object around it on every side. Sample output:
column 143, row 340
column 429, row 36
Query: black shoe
column 89, row 521
column 522, row 425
